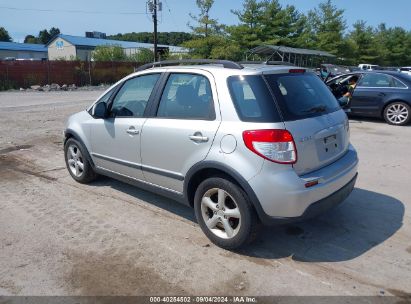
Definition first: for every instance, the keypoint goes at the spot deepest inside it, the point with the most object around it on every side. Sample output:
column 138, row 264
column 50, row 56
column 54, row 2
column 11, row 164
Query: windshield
column 301, row 96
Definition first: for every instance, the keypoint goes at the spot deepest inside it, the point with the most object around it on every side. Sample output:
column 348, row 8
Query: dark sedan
column 385, row 94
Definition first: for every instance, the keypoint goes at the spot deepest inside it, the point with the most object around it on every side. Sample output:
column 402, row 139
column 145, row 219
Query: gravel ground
column 58, row 237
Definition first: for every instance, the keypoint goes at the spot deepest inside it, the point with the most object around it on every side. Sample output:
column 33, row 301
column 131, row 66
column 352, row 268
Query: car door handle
column 133, row 131
column 381, row 94
column 198, row 137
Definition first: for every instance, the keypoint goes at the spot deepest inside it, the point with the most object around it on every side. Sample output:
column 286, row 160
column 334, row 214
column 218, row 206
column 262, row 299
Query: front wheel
column 397, row 113
column 77, row 162
column 224, row 213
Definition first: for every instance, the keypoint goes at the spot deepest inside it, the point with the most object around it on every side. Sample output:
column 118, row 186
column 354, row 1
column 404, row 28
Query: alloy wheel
column 220, row 213
column 397, row 113
column 75, row 160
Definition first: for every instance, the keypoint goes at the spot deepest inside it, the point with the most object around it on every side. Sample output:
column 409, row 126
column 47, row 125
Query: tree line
column 268, row 22
column 167, row 38
column 322, row 28
column 43, row 37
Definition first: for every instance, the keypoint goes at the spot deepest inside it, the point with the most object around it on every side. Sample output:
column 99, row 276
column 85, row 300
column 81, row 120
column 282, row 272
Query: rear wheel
column 224, row 213
column 397, row 113
column 77, row 162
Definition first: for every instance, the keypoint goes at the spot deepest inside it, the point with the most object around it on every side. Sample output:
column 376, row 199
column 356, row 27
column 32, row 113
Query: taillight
column 296, row 71
column 275, row 145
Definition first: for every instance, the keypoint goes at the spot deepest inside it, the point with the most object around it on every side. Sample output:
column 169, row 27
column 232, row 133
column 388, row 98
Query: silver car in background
column 243, row 145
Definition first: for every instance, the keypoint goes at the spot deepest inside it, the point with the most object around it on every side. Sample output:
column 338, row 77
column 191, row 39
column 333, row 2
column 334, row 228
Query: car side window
column 380, row 81
column 376, row 81
column 106, row 97
column 131, row 100
column 187, row 96
column 398, row 84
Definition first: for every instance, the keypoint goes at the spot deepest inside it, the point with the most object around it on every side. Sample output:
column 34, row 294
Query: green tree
column 208, row 33
column 54, row 31
column 248, row 33
column 143, row 55
column 30, row 39
column 267, row 22
column 44, row 37
column 108, row 53
column 226, row 49
column 363, row 40
column 168, row 38
column 281, row 26
column 328, row 24
column 4, row 35
column 398, row 52
column 380, row 41
column 205, row 24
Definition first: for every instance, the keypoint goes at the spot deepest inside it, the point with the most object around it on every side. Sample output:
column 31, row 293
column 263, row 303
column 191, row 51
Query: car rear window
column 252, row 99
column 301, row 95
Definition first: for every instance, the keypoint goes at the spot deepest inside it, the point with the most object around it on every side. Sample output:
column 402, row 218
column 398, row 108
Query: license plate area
column 330, row 143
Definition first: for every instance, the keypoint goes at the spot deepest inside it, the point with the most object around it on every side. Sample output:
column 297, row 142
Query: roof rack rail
column 268, row 62
column 225, row 63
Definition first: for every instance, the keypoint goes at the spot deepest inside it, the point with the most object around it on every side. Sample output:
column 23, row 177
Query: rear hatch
column 313, row 116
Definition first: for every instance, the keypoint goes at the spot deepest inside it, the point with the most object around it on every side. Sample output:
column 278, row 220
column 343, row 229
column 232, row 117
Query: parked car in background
column 385, row 94
column 406, row 70
column 240, row 144
column 332, row 70
column 368, row 67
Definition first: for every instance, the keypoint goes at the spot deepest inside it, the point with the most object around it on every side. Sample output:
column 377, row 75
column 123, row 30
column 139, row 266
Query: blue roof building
column 27, row 51
column 68, row 47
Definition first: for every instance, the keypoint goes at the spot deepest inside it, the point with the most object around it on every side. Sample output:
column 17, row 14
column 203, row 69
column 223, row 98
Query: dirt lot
column 58, row 237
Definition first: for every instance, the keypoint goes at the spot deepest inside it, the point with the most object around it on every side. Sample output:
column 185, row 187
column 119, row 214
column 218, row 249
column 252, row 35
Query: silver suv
column 242, row 144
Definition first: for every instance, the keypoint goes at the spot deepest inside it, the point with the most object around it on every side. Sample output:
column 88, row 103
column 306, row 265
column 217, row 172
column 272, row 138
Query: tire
column 231, row 219
column 397, row 113
column 77, row 162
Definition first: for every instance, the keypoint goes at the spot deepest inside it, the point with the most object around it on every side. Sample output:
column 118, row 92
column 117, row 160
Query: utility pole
column 154, row 6
column 155, row 30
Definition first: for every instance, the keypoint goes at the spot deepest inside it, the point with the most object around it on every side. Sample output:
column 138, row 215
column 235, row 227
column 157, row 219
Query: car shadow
column 148, row 197
column 365, row 220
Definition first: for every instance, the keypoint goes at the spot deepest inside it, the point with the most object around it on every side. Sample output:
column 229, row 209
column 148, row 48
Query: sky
column 75, row 17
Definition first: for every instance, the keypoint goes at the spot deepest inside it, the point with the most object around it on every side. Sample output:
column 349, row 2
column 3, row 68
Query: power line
column 71, row 11
column 171, row 15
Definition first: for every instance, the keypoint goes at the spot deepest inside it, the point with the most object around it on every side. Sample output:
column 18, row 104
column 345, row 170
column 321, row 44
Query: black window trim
column 160, row 90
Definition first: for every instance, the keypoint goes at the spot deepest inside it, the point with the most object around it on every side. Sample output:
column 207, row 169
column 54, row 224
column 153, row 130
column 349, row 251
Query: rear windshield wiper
column 317, row 109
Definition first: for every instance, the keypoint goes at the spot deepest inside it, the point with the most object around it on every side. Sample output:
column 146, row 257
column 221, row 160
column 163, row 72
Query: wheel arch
column 69, row 133
column 207, row 169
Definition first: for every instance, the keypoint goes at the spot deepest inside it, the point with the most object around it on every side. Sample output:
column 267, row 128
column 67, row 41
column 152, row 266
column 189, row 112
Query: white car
column 406, row 70
column 368, row 67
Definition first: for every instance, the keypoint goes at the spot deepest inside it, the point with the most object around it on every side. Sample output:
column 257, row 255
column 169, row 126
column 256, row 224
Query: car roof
column 248, row 69
column 402, row 76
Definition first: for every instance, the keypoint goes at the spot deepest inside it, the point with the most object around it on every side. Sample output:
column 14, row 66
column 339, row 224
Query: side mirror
column 100, row 110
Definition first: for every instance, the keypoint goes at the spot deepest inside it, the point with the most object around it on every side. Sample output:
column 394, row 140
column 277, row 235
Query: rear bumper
column 315, row 208
column 281, row 195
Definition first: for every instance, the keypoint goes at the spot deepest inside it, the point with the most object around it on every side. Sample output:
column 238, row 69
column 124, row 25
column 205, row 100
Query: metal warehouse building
column 27, row 51
column 70, row 47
